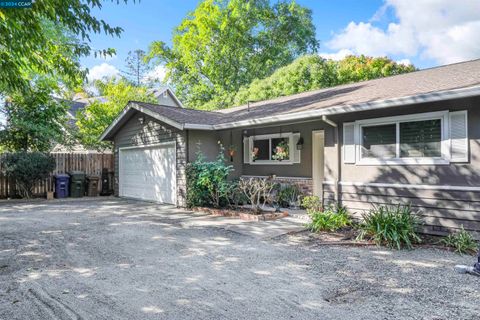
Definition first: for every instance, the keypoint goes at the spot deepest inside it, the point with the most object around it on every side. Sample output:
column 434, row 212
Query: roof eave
column 381, row 104
column 109, row 132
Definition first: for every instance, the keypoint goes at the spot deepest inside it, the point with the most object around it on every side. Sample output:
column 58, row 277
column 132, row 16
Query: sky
column 426, row 33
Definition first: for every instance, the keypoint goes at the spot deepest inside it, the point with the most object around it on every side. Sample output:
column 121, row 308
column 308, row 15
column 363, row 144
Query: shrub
column 393, row 226
column 28, row 168
column 288, row 195
column 331, row 218
column 207, row 181
column 257, row 191
column 462, row 242
column 312, row 203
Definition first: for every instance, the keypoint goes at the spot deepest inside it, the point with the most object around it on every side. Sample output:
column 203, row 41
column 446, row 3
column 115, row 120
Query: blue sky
column 426, row 33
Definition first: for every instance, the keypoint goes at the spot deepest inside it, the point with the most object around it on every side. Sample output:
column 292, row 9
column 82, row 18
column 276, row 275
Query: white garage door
column 148, row 173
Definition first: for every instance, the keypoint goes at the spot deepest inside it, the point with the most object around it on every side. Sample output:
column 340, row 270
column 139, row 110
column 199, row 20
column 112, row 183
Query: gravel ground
column 117, row 259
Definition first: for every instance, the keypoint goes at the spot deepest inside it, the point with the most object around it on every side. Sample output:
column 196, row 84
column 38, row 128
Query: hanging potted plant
column 231, row 151
column 281, row 151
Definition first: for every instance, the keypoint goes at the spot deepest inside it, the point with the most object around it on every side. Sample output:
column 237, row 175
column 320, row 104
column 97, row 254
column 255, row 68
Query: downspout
column 339, row 155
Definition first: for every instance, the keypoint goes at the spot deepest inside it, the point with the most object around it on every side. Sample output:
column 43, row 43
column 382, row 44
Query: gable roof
column 435, row 84
column 158, row 92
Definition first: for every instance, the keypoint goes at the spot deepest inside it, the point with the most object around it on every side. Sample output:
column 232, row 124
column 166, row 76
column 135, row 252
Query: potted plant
column 281, row 151
column 255, row 153
column 231, row 152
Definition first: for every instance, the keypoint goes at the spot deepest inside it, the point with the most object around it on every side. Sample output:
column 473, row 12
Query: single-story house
column 410, row 138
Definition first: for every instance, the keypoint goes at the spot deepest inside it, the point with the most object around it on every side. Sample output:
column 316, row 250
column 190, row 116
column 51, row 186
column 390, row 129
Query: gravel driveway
column 118, row 259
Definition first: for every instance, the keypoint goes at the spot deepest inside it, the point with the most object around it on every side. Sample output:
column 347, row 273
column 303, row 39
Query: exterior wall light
column 300, row 144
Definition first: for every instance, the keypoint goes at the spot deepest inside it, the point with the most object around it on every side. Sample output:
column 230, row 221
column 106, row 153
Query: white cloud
column 337, row 55
column 404, row 61
column 102, row 71
column 443, row 30
column 157, row 74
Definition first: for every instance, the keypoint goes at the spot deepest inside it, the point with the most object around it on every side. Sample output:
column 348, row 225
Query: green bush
column 28, row 168
column 331, row 218
column 288, row 194
column 461, row 241
column 393, row 226
column 207, row 181
column 312, row 203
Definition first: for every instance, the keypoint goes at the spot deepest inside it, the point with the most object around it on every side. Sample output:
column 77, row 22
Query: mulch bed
column 242, row 214
column 347, row 237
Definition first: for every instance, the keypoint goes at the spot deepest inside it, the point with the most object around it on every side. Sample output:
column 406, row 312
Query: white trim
column 396, row 120
column 288, row 135
column 194, row 126
column 146, row 146
column 162, row 144
column 402, row 185
column 380, row 104
column 133, row 105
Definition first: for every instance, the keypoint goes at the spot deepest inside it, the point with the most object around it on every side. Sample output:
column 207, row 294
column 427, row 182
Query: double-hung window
column 428, row 138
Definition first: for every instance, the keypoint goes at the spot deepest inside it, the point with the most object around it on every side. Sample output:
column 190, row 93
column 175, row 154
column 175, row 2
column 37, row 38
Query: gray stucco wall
column 442, row 210
column 302, row 169
column 133, row 133
column 205, row 142
column 463, row 174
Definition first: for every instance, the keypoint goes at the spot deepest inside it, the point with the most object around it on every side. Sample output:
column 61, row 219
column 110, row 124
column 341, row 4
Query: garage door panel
column 148, row 173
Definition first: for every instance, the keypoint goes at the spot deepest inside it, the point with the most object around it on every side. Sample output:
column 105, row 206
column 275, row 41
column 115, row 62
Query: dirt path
column 115, row 259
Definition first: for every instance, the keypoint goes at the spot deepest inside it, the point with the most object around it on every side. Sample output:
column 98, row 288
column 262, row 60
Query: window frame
column 397, row 160
column 269, row 137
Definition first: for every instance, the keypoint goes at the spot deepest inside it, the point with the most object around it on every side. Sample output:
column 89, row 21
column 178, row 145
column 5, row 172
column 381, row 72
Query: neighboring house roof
column 160, row 93
column 435, row 84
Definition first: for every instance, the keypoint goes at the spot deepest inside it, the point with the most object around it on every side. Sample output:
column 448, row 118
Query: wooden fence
column 90, row 163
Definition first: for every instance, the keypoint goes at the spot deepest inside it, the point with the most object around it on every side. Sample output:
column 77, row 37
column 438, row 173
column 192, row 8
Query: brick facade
column 304, row 184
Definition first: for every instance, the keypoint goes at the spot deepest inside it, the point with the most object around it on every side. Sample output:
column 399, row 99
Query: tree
column 361, row 68
column 35, row 121
column 136, row 66
column 96, row 117
column 28, row 168
column 27, row 47
column 312, row 72
column 224, row 45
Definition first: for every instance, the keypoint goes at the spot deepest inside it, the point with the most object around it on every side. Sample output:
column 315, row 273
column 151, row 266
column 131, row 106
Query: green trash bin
column 77, row 184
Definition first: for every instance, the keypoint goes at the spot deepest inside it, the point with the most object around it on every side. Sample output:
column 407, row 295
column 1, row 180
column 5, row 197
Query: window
column 272, row 149
column 427, row 138
column 379, row 141
column 421, row 139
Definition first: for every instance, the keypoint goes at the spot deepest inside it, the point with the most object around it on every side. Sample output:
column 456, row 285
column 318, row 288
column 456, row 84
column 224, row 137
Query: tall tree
column 27, row 50
column 136, row 67
column 312, row 72
column 97, row 116
column 223, row 45
column 35, row 121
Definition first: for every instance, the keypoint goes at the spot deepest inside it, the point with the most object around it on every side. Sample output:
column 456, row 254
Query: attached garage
column 148, row 172
column 150, row 148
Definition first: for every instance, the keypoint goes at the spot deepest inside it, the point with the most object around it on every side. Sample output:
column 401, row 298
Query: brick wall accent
column 305, row 184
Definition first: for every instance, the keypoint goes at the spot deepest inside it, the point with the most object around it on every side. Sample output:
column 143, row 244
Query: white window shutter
column 295, row 153
column 246, row 150
column 349, row 142
column 458, row 136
